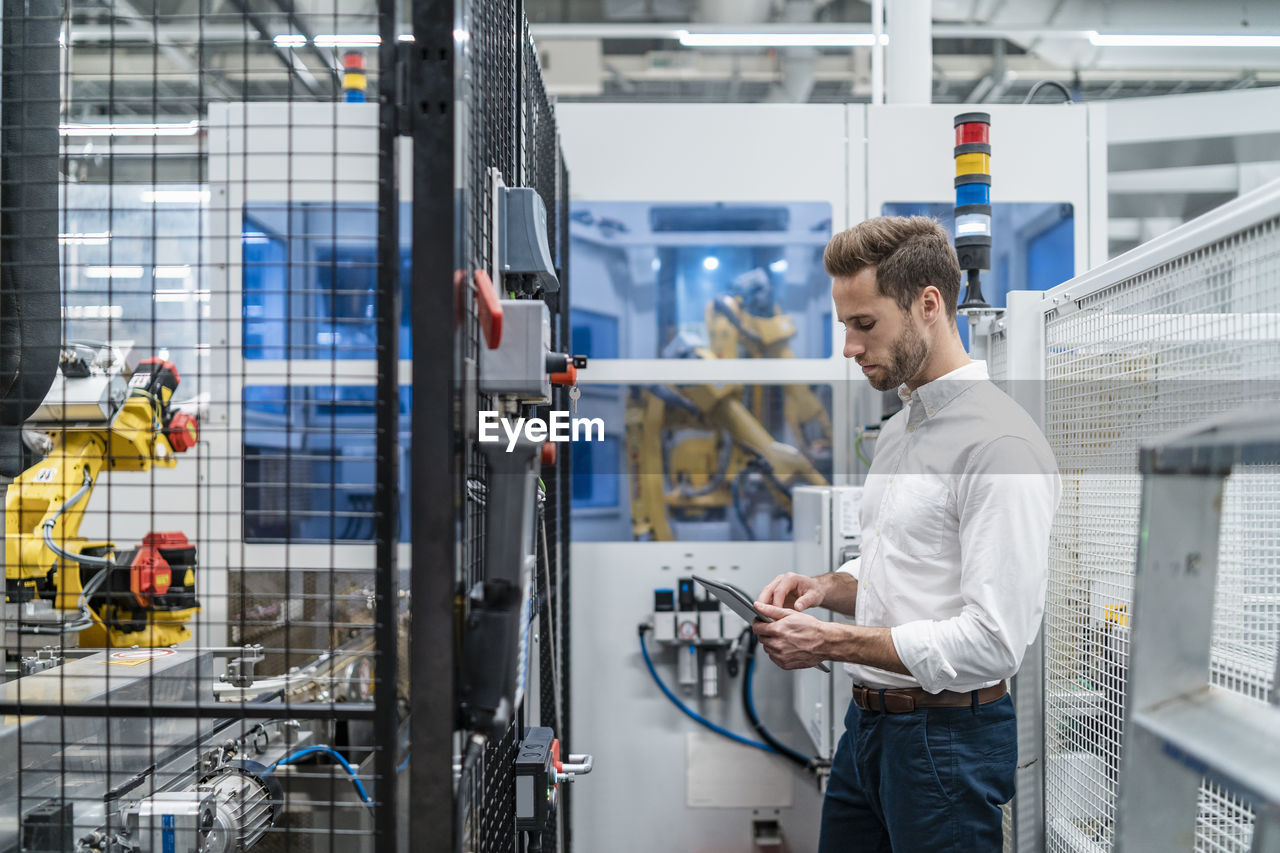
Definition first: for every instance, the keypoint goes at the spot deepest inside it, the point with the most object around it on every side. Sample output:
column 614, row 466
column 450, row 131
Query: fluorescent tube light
column 175, row 196
column 689, row 39
column 1136, row 40
column 173, row 272
column 113, row 272
column 290, row 40
column 365, row 40
column 164, row 295
column 189, row 128
column 99, row 239
column 93, row 312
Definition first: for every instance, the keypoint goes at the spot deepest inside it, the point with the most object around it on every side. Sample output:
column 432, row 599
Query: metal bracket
column 240, row 670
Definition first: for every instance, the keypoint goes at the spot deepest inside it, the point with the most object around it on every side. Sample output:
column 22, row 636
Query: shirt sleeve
column 851, row 567
column 1005, row 501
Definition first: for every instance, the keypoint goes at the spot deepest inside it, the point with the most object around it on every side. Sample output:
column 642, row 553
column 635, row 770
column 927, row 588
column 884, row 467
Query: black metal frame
column 467, row 101
column 387, row 500
column 434, row 462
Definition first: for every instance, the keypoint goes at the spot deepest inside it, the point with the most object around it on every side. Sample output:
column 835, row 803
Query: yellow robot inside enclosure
column 747, row 322
column 99, row 415
column 693, row 450
column 702, row 474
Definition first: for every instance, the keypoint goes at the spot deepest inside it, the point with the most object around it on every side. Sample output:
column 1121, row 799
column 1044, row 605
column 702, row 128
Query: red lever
column 568, row 377
column 490, row 309
column 548, row 454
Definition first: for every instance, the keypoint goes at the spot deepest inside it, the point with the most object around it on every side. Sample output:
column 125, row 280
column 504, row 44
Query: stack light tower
column 353, row 77
column 973, row 204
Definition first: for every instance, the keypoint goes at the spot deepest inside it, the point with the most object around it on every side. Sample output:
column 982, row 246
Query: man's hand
column 793, row 640
column 793, row 591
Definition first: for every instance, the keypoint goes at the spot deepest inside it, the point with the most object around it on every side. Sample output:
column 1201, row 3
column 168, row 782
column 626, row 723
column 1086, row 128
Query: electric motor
column 247, row 801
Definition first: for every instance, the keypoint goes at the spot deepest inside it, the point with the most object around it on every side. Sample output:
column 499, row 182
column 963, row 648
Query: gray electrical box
column 826, row 533
column 522, row 244
column 519, row 365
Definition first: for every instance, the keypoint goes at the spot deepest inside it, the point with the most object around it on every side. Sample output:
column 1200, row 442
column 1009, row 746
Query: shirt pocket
column 921, row 518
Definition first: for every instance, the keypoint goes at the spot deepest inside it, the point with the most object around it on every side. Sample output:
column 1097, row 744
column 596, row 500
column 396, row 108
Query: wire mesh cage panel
column 201, row 363
column 998, row 357
column 206, row 342
column 1185, row 340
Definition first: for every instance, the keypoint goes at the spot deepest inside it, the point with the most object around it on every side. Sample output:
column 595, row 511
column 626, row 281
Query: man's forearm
column 840, row 592
column 865, row 646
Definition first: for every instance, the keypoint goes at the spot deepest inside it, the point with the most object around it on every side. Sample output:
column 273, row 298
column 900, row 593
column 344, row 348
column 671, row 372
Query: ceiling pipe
column 910, row 52
column 798, row 65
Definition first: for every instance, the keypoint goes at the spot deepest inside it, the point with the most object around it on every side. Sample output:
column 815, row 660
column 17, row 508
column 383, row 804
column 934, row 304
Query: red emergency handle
column 569, row 376
column 490, row 309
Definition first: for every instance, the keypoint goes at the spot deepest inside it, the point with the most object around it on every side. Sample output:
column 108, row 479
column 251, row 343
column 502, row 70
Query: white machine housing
column 827, row 533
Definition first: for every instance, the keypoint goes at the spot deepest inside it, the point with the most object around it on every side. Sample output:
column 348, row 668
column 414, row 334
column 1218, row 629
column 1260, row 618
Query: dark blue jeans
column 929, row 781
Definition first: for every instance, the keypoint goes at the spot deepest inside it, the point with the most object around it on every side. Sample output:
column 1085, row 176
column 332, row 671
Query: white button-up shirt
column 955, row 525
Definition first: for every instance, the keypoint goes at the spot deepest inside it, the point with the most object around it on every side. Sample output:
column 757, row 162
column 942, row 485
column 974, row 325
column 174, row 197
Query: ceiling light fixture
column 1151, row 40
column 778, row 39
column 189, row 128
column 290, row 40
column 364, row 40
column 113, row 272
column 175, row 196
column 101, row 238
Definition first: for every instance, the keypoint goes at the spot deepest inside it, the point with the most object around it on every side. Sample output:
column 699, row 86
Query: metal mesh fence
column 205, row 343
column 1186, row 340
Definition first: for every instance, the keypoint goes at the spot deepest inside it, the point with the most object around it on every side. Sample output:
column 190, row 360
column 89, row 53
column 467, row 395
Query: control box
column 536, row 782
column 826, row 534
column 519, row 366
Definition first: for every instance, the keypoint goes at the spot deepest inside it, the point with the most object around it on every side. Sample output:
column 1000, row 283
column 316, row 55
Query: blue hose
column 337, row 756
column 692, row 714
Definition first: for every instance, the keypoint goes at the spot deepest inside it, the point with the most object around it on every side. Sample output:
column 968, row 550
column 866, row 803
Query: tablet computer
column 737, row 601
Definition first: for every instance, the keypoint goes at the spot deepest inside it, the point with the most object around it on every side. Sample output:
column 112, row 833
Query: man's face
column 881, row 337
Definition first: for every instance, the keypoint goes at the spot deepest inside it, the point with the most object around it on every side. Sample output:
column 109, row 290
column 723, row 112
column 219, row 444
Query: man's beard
column 907, row 355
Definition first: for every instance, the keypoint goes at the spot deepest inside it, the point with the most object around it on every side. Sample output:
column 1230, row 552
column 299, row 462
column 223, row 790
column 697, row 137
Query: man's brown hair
column 908, row 253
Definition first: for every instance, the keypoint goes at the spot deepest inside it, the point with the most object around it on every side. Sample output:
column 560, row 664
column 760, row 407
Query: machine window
column 684, row 462
column 309, row 455
column 311, row 278
column 735, row 280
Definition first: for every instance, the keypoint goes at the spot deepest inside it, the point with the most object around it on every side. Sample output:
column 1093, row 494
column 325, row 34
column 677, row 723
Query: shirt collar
column 937, row 393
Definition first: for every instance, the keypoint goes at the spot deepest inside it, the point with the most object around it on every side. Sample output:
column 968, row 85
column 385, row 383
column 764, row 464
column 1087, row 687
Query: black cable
column 748, row 705
column 1066, row 93
column 735, row 495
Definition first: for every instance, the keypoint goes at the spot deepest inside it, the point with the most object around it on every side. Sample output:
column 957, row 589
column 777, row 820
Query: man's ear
column 930, row 303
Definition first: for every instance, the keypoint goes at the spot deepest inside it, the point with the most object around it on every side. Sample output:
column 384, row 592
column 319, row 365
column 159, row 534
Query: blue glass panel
column 676, row 278
column 309, row 457
column 596, row 469
column 1032, row 246
column 310, row 281
column 594, row 334
column 1051, row 256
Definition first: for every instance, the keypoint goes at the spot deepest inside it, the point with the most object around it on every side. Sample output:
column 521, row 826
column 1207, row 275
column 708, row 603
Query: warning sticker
column 133, row 657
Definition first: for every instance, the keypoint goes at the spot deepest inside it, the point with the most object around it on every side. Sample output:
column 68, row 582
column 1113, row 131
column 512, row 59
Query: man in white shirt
column 950, row 587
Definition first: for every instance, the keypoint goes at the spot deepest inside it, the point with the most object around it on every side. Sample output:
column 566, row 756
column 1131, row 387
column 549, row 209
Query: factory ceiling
column 166, row 58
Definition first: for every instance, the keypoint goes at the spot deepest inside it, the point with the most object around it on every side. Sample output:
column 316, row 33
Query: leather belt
column 904, row 700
